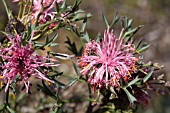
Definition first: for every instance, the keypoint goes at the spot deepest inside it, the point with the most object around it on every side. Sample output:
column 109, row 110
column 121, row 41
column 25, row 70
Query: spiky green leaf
column 148, row 76
column 10, row 110
column 105, row 21
column 72, row 81
column 131, row 98
column 115, row 20
column 133, row 82
column 84, row 24
column 86, row 37
column 144, row 48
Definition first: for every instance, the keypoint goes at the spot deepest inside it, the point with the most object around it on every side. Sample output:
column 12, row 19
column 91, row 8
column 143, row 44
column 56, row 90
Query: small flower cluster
column 20, row 62
column 107, row 61
column 42, row 9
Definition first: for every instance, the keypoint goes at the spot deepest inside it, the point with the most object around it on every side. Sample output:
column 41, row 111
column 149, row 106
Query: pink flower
column 20, row 61
column 59, row 1
column 107, row 61
column 46, row 15
column 49, row 2
column 36, row 9
column 37, row 6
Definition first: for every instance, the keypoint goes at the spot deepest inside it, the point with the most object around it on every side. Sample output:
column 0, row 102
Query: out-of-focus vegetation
column 153, row 14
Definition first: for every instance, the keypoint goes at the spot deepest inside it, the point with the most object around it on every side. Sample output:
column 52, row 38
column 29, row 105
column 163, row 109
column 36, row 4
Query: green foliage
column 118, row 99
column 72, row 47
column 105, row 21
column 131, row 98
column 145, row 79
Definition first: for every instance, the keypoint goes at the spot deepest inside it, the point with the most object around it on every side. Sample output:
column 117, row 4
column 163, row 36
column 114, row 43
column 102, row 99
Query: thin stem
column 24, row 10
column 19, row 12
column 7, row 9
column 29, row 10
column 48, row 23
column 7, row 96
column 52, row 30
column 90, row 107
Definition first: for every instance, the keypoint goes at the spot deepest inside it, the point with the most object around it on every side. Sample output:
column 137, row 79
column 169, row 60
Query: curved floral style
column 21, row 62
column 107, row 61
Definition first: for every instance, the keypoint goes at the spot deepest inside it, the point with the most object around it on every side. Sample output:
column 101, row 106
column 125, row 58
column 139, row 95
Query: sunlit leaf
column 10, row 109
column 142, row 49
column 63, row 4
column 129, row 23
column 133, row 82
column 130, row 33
column 72, row 81
column 49, row 42
column 9, row 14
column 139, row 43
column 148, row 76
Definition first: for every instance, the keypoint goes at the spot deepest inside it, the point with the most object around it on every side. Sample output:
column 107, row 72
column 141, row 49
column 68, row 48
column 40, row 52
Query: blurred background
column 153, row 14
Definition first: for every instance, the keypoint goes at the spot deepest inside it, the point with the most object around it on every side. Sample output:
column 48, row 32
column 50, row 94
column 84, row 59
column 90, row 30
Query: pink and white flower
column 21, row 62
column 107, row 61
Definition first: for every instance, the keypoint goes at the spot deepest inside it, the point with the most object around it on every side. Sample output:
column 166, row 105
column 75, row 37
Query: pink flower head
column 46, row 15
column 20, row 61
column 107, row 61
